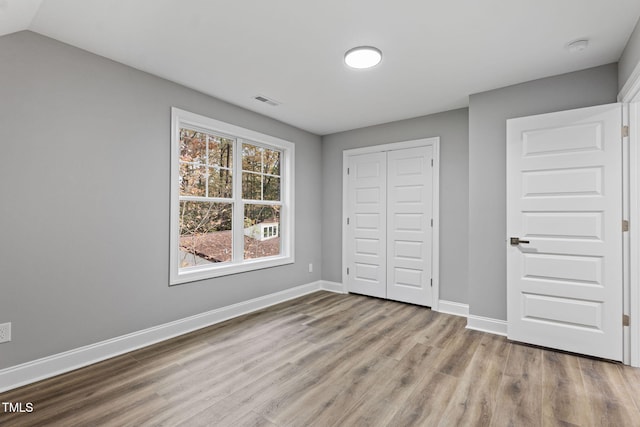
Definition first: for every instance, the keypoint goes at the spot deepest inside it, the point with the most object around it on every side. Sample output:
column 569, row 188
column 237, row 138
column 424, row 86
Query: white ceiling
column 436, row 52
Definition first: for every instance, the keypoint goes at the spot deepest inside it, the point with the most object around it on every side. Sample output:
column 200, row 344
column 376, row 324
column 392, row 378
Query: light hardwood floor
column 337, row 360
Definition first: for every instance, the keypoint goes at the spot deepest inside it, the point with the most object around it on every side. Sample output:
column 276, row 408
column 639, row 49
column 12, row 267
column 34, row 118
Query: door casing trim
column 630, row 97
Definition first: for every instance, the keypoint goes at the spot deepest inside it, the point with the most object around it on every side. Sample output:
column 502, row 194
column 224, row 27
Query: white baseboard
column 333, row 287
column 486, row 324
column 57, row 364
column 452, row 307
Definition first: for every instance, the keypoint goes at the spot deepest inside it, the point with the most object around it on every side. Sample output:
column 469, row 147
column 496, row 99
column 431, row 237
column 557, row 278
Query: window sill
column 197, row 273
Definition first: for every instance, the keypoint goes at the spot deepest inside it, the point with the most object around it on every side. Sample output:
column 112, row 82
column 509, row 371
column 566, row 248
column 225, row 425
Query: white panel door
column 366, row 233
column 409, row 229
column 564, row 203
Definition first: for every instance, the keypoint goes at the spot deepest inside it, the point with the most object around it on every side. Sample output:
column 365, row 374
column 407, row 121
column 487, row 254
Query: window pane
column 220, row 183
column 251, row 186
column 271, row 187
column 258, row 241
column 220, row 151
column 205, row 233
column 271, row 162
column 261, row 170
column 193, row 146
column 193, row 180
column 251, row 158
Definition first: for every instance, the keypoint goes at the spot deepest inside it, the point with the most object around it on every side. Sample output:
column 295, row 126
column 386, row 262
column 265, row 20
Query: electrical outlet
column 5, row 332
column 310, row 268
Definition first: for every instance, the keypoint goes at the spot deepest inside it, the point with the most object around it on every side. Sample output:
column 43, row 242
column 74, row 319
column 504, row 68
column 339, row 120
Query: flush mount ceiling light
column 363, row 57
column 578, row 46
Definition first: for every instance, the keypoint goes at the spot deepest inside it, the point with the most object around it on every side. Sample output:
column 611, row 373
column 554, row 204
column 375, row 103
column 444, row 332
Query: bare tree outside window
column 207, row 199
column 206, row 177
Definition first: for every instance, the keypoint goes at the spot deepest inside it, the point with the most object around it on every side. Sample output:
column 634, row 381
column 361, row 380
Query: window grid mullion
column 238, row 205
column 206, row 165
column 205, row 199
column 262, row 174
column 262, row 202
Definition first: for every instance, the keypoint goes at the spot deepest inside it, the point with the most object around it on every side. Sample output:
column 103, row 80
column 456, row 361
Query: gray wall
column 488, row 112
column 630, row 57
column 84, row 190
column 452, row 128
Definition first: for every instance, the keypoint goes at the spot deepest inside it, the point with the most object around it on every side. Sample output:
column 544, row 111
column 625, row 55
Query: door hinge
column 625, row 131
column 431, row 162
column 347, row 271
column 625, row 225
column 432, row 222
column 626, row 321
column 347, row 171
column 347, row 221
column 432, row 283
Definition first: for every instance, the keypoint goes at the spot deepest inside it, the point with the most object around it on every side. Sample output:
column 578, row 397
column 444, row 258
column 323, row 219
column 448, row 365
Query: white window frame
column 180, row 118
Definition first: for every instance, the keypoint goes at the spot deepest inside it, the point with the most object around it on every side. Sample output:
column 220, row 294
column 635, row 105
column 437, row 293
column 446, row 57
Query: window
column 231, row 199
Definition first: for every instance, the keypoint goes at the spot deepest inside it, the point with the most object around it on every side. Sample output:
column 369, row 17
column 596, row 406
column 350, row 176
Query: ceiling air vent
column 266, row 100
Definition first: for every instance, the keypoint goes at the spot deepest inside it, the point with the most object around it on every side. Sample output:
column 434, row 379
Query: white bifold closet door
column 390, row 224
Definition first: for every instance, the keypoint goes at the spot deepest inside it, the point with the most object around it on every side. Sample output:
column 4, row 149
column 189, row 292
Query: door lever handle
column 515, row 241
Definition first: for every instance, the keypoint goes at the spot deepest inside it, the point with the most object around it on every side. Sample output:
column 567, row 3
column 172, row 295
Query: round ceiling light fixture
column 578, row 45
column 363, row 57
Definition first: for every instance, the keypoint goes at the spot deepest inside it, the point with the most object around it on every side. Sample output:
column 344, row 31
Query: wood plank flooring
column 337, row 360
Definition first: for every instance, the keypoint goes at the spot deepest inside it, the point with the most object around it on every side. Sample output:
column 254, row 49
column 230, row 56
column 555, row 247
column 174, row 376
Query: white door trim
column 627, row 170
column 632, row 287
column 630, row 96
column 433, row 141
column 630, row 92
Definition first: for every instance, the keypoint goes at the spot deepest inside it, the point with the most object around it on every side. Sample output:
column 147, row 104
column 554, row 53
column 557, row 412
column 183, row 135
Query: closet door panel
column 366, row 231
column 409, row 225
